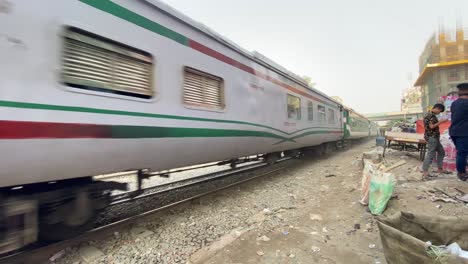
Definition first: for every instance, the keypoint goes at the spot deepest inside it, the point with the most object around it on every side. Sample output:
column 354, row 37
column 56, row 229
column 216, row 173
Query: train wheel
column 68, row 219
column 272, row 158
column 292, row 153
column 18, row 222
column 63, row 231
column 329, row 148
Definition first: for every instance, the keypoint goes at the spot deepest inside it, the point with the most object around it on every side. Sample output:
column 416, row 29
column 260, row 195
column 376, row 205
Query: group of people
column 458, row 132
column 403, row 128
column 408, row 129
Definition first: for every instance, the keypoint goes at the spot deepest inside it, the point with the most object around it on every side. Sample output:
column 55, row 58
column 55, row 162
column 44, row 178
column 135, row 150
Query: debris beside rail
column 296, row 215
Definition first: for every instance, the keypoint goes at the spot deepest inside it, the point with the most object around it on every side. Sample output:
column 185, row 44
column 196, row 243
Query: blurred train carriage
column 94, row 87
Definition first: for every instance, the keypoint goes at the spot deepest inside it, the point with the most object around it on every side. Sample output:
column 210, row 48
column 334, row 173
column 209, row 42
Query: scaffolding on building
column 443, row 64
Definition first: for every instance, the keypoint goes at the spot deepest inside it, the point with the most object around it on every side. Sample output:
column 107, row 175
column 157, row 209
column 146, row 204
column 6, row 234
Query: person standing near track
column 432, row 136
column 459, row 129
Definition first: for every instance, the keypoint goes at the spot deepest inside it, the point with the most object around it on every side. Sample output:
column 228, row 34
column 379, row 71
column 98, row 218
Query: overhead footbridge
column 390, row 116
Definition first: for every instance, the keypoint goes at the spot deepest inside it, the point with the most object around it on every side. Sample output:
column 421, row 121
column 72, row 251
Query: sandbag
column 380, row 191
column 404, row 237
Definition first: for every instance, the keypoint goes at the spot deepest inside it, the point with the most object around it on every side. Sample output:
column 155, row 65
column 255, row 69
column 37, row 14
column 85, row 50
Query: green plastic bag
column 380, row 191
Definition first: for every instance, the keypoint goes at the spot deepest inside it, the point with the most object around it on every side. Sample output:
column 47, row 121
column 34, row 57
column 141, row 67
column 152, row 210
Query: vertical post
column 140, row 177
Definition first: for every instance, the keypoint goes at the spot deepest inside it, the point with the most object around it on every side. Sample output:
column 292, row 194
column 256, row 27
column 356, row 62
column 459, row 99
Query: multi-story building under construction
column 442, row 65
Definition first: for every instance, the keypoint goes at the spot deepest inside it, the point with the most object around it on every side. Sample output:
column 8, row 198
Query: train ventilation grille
column 203, row 89
column 94, row 63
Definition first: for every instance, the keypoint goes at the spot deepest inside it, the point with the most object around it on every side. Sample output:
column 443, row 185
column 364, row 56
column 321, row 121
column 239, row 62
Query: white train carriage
column 97, row 86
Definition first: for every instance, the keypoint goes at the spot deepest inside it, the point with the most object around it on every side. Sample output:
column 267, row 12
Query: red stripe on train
column 221, row 57
column 35, row 130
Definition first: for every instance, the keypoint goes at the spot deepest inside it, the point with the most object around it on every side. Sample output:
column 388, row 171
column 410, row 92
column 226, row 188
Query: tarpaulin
column 404, row 237
column 420, row 127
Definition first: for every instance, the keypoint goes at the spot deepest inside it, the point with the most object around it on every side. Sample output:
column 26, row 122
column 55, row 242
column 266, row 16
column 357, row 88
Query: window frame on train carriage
column 310, row 111
column 322, row 114
column 204, row 102
column 331, row 116
column 129, row 74
column 293, row 104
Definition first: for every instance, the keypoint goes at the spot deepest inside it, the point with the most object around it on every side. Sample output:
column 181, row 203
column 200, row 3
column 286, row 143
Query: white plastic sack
column 456, row 250
column 369, row 169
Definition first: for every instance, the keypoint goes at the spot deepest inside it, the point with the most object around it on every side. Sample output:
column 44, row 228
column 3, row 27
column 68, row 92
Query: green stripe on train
column 125, row 14
column 304, row 135
column 139, row 114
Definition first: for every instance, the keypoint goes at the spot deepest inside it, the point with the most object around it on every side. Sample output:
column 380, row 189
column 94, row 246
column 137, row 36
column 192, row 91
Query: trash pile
column 410, row 237
column 438, row 253
column 377, row 183
column 438, row 195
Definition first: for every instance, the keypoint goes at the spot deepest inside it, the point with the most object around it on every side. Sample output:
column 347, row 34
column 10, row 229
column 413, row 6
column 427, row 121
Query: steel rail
column 42, row 252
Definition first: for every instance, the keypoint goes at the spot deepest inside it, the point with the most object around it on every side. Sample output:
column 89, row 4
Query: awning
column 431, row 67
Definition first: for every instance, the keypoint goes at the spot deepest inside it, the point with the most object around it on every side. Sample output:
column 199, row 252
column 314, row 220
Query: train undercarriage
column 57, row 211
column 51, row 211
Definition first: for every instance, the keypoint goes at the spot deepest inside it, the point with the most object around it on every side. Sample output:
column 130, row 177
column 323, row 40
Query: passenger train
column 91, row 87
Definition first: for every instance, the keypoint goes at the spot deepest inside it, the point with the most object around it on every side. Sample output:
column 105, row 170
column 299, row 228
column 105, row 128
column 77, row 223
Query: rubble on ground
column 309, row 213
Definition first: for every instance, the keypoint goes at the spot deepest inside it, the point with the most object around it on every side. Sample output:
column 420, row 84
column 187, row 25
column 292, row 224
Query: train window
column 294, row 107
column 331, row 116
column 203, row 89
column 310, row 111
column 95, row 63
column 322, row 114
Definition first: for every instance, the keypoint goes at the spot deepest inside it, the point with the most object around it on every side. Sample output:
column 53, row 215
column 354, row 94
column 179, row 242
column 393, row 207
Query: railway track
column 162, row 197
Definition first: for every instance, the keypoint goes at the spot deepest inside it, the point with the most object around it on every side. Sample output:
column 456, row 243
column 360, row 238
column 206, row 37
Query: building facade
column 442, row 66
column 411, row 101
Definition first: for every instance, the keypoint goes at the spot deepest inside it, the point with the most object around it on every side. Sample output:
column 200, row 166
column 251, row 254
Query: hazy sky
column 360, row 50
